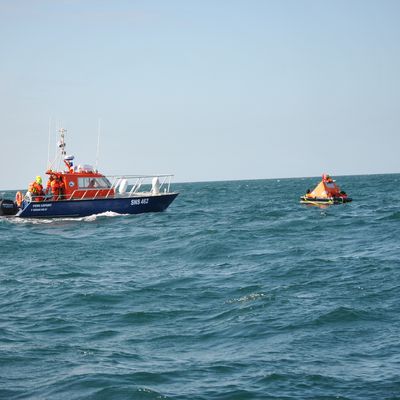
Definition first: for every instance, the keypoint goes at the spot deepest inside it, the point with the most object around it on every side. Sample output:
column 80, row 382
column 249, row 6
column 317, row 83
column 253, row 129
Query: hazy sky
column 207, row 90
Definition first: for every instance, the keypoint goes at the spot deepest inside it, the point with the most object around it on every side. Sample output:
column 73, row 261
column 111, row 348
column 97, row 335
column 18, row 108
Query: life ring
column 18, row 199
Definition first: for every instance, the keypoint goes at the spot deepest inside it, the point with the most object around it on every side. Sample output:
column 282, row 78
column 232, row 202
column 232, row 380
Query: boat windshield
column 97, row 183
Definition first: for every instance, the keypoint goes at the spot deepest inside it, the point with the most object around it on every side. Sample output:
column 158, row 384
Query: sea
column 236, row 292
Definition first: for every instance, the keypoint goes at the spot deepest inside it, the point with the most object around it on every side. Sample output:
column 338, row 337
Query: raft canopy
column 326, row 188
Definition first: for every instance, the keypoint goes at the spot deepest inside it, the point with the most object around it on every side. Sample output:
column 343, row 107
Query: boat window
column 83, row 183
column 103, row 182
column 96, row 183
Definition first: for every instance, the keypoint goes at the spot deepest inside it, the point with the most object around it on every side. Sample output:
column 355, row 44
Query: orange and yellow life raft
column 326, row 192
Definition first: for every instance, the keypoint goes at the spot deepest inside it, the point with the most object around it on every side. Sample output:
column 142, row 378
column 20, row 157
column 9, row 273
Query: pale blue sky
column 207, row 90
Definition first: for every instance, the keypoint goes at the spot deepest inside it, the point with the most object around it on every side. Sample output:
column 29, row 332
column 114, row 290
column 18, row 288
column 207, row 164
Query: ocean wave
column 343, row 315
column 393, row 216
column 236, row 292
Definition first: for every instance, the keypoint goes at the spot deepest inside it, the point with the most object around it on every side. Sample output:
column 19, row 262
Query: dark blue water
column 235, row 292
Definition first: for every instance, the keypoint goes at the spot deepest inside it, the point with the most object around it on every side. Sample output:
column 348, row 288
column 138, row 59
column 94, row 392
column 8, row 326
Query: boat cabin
column 82, row 182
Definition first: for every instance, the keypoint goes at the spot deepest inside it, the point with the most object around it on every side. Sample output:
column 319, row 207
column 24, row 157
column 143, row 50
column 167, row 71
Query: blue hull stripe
column 83, row 208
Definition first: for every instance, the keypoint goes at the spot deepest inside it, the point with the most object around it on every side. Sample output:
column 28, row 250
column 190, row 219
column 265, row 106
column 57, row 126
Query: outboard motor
column 8, row 207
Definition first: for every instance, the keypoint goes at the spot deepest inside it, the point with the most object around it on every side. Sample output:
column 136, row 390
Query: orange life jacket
column 37, row 191
column 35, row 188
column 55, row 189
column 55, row 186
column 61, row 187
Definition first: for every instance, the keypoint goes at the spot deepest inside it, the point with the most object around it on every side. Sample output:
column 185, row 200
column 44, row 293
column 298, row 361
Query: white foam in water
column 33, row 221
column 38, row 221
column 104, row 214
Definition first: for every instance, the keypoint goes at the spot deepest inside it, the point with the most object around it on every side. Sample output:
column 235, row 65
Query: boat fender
column 28, row 196
column 122, row 186
column 18, row 199
column 155, row 185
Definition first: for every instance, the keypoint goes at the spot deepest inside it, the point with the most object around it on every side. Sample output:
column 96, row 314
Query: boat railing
column 132, row 185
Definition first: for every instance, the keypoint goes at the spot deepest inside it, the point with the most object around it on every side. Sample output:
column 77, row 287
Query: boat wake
column 93, row 217
column 41, row 221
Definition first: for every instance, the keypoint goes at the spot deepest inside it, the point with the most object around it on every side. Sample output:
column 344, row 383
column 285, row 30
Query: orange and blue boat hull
column 85, row 207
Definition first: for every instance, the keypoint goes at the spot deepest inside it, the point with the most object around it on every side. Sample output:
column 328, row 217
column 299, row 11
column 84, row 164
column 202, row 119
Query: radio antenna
column 98, row 142
column 48, row 146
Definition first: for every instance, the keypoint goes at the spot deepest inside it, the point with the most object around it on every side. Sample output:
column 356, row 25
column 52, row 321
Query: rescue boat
column 326, row 192
column 83, row 191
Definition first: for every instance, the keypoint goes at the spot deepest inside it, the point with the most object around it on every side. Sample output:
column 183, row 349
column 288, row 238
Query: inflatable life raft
column 326, row 192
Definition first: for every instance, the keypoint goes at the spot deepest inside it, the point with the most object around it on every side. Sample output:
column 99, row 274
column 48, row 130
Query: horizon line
column 252, row 179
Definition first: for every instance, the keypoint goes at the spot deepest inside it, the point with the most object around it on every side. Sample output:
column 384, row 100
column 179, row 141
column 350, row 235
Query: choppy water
column 235, row 292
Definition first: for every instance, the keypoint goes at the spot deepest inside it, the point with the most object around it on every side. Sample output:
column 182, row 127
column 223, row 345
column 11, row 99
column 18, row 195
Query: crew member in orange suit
column 36, row 189
column 61, row 188
column 48, row 186
column 55, row 188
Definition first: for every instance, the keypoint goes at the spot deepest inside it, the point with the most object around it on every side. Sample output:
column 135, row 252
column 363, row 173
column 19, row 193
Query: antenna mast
column 48, row 146
column 98, row 143
column 61, row 155
column 61, row 143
